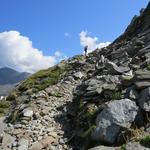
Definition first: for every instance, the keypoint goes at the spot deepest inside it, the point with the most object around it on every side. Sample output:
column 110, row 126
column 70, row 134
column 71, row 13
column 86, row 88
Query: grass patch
column 145, row 141
column 79, row 57
column 15, row 117
column 148, row 67
column 2, row 112
column 88, row 132
column 4, row 105
column 42, row 79
column 123, row 147
column 11, row 97
column 116, row 95
column 91, row 113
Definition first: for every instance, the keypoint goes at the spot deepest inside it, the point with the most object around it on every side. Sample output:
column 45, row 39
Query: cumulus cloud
column 17, row 51
column 91, row 42
column 60, row 56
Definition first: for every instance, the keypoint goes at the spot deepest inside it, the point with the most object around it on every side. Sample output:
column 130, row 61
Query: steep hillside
column 98, row 102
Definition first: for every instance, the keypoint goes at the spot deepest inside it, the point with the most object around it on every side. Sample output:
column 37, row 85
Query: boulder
column 144, row 100
column 117, row 115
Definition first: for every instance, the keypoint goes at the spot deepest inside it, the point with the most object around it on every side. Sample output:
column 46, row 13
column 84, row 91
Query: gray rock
column 116, row 115
column 15, row 144
column 142, row 75
column 111, row 79
column 7, row 141
column 144, row 100
column 27, row 112
column 135, row 146
column 115, row 69
column 3, row 126
column 36, row 146
column 133, row 94
column 142, row 84
column 104, row 148
column 23, row 144
column 78, row 75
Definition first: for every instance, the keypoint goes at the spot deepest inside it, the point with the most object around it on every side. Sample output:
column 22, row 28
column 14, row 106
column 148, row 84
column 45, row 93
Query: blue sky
column 55, row 25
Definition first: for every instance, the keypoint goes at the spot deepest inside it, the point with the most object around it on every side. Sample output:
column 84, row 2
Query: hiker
column 85, row 50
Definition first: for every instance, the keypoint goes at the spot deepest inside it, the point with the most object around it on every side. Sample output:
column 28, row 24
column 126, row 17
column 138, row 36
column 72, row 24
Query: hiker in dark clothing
column 85, row 50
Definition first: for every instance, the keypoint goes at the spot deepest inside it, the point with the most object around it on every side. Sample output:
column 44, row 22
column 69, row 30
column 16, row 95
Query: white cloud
column 60, row 56
column 17, row 51
column 91, row 42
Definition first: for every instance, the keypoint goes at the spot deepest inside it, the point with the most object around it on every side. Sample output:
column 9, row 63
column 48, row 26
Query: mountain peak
column 11, row 76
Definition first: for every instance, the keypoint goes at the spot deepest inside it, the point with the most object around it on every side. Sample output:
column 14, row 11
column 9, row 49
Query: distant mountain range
column 9, row 78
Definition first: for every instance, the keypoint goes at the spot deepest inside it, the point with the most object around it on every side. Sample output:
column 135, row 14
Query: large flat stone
column 142, row 84
column 142, row 75
column 7, row 141
column 116, row 115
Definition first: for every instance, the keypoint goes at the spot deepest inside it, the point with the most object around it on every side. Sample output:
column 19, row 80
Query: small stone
column 27, row 112
column 53, row 134
column 47, row 141
column 39, row 138
column 61, row 141
column 36, row 146
column 18, row 126
column 51, row 147
column 15, row 144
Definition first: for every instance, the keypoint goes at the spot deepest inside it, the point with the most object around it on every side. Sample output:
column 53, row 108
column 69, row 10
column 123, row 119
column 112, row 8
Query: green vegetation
column 145, row 141
column 15, row 117
column 148, row 67
column 116, row 95
column 11, row 97
column 91, row 113
column 42, row 79
column 57, row 94
column 4, row 105
column 123, row 147
column 80, row 57
column 127, row 78
column 81, row 105
column 88, row 132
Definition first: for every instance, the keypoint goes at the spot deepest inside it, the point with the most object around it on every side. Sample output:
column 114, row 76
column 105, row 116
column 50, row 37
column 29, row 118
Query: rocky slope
column 101, row 102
